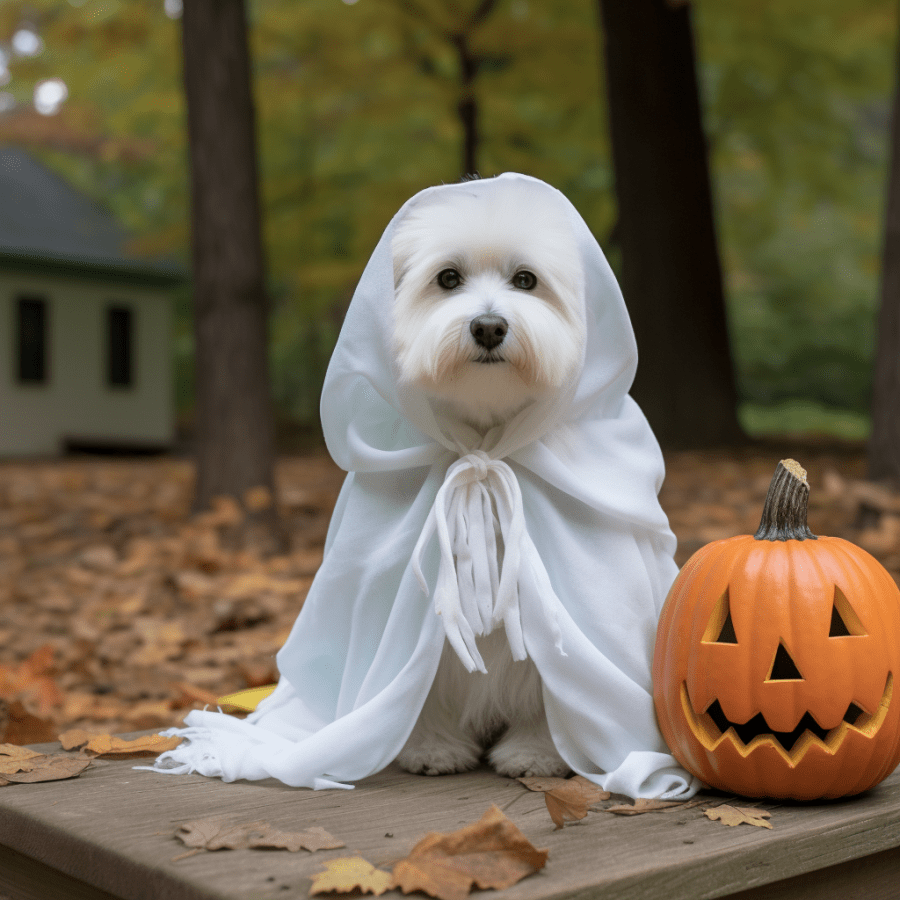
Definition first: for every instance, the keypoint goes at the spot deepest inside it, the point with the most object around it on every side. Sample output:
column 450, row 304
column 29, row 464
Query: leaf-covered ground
column 120, row 611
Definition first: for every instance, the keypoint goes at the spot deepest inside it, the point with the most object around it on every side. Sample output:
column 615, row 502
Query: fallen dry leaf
column 14, row 758
column 734, row 815
column 75, row 738
column 492, row 853
column 19, row 765
column 218, row 834
column 29, row 683
column 171, row 566
column 567, row 799
column 22, row 727
column 110, row 747
column 50, row 768
column 313, row 839
column 106, row 557
column 350, row 873
column 246, row 700
column 258, row 498
column 541, row 783
column 644, row 806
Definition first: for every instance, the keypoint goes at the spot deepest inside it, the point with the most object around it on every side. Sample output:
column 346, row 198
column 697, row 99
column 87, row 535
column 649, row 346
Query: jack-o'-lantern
column 776, row 659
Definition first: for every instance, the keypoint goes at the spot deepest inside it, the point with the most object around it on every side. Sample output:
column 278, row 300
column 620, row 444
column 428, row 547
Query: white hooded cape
column 587, row 562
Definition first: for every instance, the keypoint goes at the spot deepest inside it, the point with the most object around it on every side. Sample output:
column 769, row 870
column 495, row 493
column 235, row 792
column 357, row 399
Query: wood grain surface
column 111, row 830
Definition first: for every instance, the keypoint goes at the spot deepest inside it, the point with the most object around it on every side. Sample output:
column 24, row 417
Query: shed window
column 31, row 340
column 119, row 346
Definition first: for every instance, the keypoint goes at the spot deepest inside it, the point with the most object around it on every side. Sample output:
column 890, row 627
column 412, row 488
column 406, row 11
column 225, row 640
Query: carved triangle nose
column 783, row 667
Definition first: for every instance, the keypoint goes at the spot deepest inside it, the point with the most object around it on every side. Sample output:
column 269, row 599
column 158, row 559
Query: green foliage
column 798, row 97
column 357, row 109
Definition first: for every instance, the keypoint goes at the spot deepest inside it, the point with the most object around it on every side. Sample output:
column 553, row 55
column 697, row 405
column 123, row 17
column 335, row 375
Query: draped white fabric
column 471, row 596
column 568, row 488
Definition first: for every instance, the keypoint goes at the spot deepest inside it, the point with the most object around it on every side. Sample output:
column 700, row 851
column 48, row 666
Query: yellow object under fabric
column 247, row 700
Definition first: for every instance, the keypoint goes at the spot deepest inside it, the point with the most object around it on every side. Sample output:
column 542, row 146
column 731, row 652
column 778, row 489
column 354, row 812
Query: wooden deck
column 109, row 834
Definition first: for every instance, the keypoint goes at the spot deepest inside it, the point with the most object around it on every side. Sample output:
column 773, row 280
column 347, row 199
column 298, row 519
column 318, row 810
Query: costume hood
column 407, row 565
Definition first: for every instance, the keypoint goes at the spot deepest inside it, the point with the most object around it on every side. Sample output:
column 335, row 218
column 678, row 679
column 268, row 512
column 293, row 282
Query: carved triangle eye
column 720, row 628
column 844, row 621
column 727, row 635
column 783, row 667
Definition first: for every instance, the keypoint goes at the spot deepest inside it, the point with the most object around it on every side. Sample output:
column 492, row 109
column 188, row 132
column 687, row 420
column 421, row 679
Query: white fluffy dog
column 487, row 319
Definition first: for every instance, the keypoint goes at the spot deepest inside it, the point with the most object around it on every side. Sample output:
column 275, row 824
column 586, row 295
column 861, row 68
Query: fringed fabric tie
column 473, row 591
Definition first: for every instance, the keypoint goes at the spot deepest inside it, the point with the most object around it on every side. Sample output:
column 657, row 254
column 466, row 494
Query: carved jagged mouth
column 713, row 726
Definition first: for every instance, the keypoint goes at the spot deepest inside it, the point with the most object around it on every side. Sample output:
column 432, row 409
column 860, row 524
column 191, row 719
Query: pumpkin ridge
column 855, row 562
column 720, row 561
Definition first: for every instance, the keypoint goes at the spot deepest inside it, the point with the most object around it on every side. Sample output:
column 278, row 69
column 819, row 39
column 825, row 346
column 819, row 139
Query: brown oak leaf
column 75, row 738
column 350, row 873
column 313, row 839
column 734, row 815
column 216, row 834
column 110, row 747
column 643, row 805
column 219, row 834
column 567, row 799
column 14, row 758
column 492, row 853
column 19, row 765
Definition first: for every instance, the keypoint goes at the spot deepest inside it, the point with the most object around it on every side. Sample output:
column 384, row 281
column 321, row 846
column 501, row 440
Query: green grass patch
column 803, row 417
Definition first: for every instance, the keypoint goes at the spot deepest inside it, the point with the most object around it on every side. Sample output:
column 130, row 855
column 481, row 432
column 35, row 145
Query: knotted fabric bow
column 474, row 592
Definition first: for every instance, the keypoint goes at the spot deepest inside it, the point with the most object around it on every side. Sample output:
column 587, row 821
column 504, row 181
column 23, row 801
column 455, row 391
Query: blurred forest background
column 123, row 602
column 357, row 106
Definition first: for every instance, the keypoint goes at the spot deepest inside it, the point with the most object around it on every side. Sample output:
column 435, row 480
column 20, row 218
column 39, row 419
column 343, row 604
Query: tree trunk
column 469, row 67
column 468, row 103
column 672, row 279
column 884, row 445
column 235, row 424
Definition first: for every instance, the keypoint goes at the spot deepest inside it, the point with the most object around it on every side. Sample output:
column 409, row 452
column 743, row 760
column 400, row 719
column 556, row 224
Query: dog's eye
column 449, row 279
column 524, row 280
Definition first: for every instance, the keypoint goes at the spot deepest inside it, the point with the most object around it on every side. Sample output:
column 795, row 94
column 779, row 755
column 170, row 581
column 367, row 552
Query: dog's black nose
column 489, row 331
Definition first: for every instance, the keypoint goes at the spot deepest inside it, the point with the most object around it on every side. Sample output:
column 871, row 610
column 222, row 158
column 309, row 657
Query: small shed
column 85, row 325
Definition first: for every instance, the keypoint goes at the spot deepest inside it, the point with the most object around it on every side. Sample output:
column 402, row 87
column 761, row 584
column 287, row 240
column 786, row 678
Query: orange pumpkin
column 776, row 657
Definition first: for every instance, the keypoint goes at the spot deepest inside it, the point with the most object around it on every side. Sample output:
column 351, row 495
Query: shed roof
column 47, row 225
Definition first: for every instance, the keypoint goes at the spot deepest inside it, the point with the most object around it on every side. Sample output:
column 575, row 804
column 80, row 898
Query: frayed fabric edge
column 192, row 758
column 189, row 757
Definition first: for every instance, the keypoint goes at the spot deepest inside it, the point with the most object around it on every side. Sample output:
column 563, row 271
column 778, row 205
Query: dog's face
column 488, row 313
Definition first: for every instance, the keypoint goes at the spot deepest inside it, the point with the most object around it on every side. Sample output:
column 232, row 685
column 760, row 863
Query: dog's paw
column 436, row 758
column 527, row 758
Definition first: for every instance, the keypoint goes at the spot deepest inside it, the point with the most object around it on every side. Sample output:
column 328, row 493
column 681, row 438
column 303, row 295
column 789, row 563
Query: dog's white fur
column 489, row 241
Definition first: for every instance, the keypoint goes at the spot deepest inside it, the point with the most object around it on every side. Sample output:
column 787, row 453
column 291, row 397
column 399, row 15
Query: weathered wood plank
column 870, row 878
column 113, row 827
column 21, row 878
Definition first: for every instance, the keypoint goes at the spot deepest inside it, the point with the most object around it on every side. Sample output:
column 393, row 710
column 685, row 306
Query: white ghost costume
column 587, row 561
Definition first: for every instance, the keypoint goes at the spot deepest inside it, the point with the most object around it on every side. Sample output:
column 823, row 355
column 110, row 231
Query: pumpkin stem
column 784, row 512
